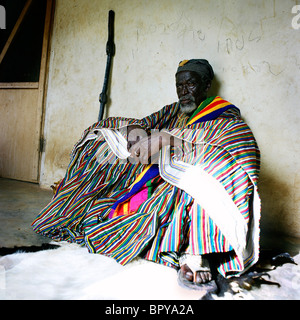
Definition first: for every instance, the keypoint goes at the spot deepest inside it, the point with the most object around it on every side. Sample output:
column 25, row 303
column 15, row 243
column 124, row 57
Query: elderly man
column 178, row 187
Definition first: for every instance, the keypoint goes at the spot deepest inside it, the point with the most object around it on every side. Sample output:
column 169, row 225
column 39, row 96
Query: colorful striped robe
column 204, row 200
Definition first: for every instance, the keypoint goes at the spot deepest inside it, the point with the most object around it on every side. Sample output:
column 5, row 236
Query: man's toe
column 203, row 277
column 187, row 272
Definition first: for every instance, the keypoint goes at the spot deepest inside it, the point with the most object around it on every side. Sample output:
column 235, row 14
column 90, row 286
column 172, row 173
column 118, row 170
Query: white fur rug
column 70, row 272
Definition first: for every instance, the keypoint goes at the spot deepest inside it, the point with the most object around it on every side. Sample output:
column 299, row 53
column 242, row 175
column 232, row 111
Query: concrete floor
column 20, row 203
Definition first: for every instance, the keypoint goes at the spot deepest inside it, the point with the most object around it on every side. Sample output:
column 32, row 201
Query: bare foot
column 199, row 277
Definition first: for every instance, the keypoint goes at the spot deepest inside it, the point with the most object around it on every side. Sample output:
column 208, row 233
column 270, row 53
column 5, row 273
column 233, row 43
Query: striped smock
column 215, row 209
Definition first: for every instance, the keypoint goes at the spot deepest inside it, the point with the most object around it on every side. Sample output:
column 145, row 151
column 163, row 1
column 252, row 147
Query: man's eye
column 191, row 84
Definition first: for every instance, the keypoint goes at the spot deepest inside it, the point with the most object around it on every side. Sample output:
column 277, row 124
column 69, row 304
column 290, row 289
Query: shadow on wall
column 277, row 206
column 215, row 87
column 278, row 215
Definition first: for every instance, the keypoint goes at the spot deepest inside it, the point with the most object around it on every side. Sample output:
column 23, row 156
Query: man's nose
column 185, row 90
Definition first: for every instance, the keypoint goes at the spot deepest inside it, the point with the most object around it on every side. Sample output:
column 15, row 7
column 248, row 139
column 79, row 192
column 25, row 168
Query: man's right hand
column 135, row 133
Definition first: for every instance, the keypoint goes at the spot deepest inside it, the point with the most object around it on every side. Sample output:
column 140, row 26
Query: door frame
column 42, row 84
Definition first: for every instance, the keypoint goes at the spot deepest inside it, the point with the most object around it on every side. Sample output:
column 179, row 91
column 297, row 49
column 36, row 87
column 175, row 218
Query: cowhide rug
column 68, row 271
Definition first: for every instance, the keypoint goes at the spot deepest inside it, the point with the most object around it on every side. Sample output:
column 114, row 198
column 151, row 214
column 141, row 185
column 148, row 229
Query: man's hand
column 148, row 148
column 134, row 134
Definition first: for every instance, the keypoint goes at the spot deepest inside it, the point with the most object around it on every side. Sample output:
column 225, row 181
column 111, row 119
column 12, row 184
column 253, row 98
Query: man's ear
column 208, row 86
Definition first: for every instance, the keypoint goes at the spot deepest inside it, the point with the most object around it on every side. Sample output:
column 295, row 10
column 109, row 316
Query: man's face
column 190, row 90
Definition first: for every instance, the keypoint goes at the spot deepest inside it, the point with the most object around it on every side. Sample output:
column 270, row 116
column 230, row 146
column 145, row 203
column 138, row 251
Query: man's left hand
column 146, row 150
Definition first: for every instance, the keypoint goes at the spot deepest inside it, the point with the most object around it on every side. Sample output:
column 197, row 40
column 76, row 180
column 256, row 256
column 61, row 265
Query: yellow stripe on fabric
column 140, row 176
column 126, row 208
column 219, row 106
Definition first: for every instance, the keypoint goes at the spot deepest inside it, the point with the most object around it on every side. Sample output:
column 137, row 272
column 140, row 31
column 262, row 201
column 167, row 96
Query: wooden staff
column 110, row 51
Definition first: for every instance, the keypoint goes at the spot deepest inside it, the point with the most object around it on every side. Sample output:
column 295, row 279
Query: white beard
column 188, row 108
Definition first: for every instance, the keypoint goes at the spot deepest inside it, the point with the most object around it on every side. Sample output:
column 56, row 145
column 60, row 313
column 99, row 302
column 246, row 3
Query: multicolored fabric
column 172, row 218
column 141, row 189
column 210, row 109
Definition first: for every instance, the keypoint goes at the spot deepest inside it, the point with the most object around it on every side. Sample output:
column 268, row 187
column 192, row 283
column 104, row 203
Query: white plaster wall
column 250, row 43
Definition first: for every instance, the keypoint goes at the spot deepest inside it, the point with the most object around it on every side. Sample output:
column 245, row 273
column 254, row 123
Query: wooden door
column 23, row 65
